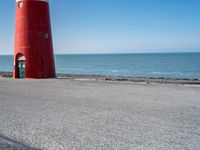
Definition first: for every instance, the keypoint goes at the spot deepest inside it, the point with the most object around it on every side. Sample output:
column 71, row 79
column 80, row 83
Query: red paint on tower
column 33, row 56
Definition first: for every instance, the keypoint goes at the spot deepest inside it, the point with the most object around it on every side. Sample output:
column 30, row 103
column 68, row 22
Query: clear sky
column 115, row 26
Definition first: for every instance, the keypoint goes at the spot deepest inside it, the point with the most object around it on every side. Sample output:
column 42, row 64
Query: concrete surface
column 56, row 114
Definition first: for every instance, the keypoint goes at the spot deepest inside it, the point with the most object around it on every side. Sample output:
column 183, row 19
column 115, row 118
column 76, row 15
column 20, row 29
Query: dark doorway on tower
column 21, row 66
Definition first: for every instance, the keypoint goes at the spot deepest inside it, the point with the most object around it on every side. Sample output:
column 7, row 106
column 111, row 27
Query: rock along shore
column 147, row 80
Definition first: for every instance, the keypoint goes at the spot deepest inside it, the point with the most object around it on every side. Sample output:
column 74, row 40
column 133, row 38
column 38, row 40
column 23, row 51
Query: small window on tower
column 20, row 4
column 46, row 36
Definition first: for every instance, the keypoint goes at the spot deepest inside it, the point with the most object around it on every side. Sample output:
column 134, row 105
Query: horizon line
column 170, row 52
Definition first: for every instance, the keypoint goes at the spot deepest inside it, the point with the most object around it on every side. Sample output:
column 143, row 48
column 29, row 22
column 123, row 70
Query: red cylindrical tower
column 33, row 56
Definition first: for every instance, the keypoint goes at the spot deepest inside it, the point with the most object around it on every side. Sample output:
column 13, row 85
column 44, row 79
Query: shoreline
column 147, row 80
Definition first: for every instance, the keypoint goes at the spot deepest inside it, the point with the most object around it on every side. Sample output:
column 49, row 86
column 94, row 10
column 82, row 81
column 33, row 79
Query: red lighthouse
column 33, row 56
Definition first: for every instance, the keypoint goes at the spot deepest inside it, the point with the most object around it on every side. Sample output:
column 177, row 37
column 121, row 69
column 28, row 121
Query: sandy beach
column 85, row 113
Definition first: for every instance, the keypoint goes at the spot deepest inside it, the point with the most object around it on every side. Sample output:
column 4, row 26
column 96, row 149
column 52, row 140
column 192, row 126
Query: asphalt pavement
column 61, row 114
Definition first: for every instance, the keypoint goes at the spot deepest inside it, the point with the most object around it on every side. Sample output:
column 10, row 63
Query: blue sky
column 115, row 26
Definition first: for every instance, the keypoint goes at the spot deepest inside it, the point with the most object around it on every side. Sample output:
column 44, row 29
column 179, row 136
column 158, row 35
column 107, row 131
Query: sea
column 168, row 65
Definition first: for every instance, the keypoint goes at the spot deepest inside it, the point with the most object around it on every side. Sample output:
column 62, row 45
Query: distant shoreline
column 148, row 80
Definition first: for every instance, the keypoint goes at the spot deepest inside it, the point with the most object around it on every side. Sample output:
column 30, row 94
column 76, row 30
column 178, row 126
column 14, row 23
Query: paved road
column 61, row 114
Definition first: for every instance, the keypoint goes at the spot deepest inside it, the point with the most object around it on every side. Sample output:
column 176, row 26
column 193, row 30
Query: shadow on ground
column 10, row 144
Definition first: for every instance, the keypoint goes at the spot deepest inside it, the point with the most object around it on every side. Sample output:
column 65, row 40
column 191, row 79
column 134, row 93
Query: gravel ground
column 61, row 114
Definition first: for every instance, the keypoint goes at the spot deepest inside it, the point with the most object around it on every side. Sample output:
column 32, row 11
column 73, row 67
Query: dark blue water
column 176, row 65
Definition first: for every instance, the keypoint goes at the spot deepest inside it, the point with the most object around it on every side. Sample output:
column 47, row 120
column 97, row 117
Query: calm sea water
column 176, row 65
